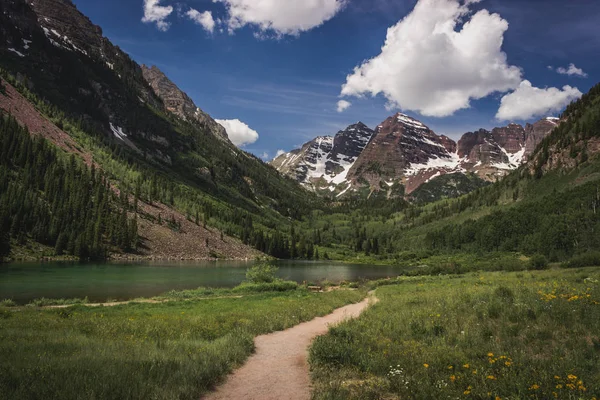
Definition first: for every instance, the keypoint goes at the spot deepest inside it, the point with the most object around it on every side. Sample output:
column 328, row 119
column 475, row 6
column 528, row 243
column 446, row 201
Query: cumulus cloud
column 279, row 153
column 343, row 105
column 571, row 70
column 204, row 19
column 239, row 133
column 429, row 66
column 281, row 17
column 528, row 101
column 155, row 13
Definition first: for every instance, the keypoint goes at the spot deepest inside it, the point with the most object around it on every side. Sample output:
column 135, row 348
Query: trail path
column 141, row 301
column 279, row 367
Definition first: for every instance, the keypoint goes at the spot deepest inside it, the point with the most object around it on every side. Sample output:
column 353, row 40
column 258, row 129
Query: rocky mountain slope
column 324, row 163
column 402, row 154
column 139, row 129
column 179, row 103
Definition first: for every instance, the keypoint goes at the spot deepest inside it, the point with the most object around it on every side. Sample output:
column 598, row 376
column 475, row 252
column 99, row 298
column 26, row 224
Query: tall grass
column 173, row 350
column 482, row 336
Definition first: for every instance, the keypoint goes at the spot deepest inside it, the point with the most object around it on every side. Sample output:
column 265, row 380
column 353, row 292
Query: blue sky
column 286, row 82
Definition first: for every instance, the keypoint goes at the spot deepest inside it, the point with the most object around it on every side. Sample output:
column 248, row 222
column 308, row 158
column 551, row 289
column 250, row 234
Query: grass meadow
column 492, row 335
column 173, row 350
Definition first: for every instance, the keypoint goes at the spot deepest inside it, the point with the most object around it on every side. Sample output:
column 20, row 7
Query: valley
column 150, row 250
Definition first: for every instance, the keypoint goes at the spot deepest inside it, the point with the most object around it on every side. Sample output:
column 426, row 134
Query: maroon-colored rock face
column 511, row 138
column 537, row 132
column 398, row 142
column 404, row 150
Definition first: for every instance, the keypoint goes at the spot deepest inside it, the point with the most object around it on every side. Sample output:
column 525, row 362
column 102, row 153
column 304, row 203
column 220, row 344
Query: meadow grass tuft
column 173, row 350
column 500, row 335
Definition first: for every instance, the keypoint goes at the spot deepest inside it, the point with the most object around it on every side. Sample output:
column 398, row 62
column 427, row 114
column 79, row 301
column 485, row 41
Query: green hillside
column 164, row 158
column 549, row 207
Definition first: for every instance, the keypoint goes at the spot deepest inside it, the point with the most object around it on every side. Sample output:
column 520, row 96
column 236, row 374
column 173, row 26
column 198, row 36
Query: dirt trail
column 143, row 301
column 279, row 367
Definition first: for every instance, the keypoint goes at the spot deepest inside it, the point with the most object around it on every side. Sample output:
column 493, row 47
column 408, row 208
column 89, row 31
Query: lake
column 24, row 282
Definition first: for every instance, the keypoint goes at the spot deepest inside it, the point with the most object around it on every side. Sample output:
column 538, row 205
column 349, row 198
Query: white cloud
column 155, row 13
column 528, row 101
column 204, row 19
column 283, row 17
column 426, row 65
column 343, row 105
column 265, row 156
column 239, row 133
column 279, row 153
column 572, row 70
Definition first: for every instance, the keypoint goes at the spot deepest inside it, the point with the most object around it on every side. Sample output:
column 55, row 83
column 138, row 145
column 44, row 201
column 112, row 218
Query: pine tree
column 4, row 245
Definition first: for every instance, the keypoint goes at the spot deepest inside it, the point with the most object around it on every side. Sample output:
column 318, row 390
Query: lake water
column 24, row 282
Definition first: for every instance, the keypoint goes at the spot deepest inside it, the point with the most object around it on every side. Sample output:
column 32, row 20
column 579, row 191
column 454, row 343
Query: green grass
column 172, row 350
column 488, row 335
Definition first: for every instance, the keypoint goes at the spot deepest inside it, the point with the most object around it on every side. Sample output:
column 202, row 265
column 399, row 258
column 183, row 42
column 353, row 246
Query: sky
column 277, row 73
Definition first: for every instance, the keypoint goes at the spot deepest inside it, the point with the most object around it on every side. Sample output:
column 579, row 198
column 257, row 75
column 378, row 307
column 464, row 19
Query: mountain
column 179, row 103
column 197, row 195
column 402, row 154
column 490, row 154
column 324, row 163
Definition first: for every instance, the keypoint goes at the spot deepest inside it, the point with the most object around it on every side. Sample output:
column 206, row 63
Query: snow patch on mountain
column 324, row 162
column 118, row 132
column 452, row 162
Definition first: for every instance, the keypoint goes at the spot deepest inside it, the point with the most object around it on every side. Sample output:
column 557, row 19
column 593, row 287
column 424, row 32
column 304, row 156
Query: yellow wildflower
column 450, row 367
column 453, row 378
column 491, row 377
column 490, row 354
column 535, row 386
column 426, row 365
column 508, row 363
column 466, row 366
column 571, row 377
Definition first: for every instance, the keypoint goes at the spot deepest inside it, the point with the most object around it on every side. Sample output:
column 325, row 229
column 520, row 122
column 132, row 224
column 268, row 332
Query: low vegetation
column 171, row 350
column 480, row 336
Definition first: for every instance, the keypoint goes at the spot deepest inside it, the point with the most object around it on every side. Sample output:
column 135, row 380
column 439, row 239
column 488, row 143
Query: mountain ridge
column 92, row 100
column 404, row 151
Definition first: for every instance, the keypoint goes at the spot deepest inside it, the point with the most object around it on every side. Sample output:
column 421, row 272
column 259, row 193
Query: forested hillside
column 91, row 91
column 57, row 200
column 547, row 207
column 78, row 113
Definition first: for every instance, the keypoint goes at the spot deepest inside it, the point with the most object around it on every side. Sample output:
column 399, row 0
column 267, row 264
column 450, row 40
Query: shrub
column 7, row 303
column 276, row 286
column 261, row 273
column 590, row 259
column 538, row 262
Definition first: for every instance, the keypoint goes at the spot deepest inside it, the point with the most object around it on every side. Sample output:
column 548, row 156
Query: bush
column 590, row 259
column 7, row 303
column 276, row 286
column 538, row 262
column 261, row 273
